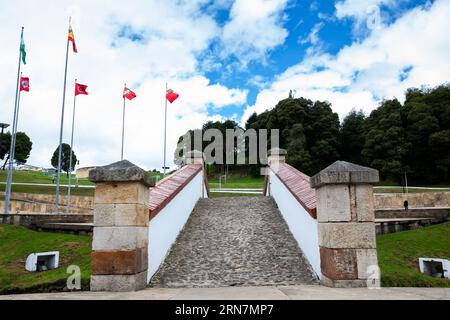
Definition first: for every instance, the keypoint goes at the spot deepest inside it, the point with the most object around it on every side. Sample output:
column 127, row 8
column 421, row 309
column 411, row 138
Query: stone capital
column 121, row 171
column 342, row 172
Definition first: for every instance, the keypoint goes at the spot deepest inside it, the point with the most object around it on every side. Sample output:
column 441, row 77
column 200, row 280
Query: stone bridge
column 317, row 230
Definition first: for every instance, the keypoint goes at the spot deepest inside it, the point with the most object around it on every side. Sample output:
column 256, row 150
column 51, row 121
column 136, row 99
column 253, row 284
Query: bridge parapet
column 331, row 215
column 136, row 222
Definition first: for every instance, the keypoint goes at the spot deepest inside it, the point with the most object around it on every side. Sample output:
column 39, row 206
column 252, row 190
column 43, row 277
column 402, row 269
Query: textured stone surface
column 364, row 202
column 365, row 259
column 347, row 235
column 416, row 200
column 124, row 192
column 234, row 242
column 120, row 215
column 119, row 283
column 119, row 262
column 357, row 283
column 344, row 172
column 338, row 264
column 119, row 238
column 333, row 203
column 121, row 171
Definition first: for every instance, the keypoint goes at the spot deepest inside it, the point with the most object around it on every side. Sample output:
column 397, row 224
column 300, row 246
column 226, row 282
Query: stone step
column 240, row 241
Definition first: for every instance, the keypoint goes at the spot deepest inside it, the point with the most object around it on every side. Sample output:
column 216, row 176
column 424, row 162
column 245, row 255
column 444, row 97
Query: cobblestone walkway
column 240, row 241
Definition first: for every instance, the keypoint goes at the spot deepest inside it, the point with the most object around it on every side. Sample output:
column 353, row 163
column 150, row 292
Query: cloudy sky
column 226, row 59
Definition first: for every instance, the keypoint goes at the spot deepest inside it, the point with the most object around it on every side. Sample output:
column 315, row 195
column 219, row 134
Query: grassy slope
column 237, row 182
column 39, row 177
column 398, row 255
column 16, row 243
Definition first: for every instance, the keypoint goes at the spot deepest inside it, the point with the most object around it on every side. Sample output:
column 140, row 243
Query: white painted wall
column 167, row 224
column 302, row 225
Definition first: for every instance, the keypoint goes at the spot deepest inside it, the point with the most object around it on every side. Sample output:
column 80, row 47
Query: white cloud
column 366, row 13
column 365, row 72
column 255, row 28
column 313, row 37
column 173, row 35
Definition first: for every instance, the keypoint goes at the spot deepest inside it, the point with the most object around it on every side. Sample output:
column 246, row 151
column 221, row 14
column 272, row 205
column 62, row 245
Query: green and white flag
column 22, row 49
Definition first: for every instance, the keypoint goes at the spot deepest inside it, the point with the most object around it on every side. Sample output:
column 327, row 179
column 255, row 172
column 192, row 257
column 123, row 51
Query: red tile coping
column 166, row 189
column 298, row 184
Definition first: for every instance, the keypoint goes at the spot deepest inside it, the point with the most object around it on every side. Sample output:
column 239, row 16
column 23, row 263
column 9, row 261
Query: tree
column 65, row 158
column 385, row 146
column 351, row 137
column 22, row 151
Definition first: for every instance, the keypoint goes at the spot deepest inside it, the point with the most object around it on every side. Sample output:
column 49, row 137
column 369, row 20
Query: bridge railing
column 171, row 203
column 136, row 222
column 334, row 224
column 296, row 201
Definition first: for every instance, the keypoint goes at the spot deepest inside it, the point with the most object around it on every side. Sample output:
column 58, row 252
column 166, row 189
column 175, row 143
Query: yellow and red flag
column 72, row 39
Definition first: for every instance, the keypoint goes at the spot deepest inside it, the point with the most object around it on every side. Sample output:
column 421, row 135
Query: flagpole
column 123, row 124
column 165, row 129
column 58, row 174
column 13, row 137
column 71, row 150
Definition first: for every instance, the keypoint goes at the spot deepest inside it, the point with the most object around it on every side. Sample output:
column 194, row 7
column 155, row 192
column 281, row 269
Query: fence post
column 346, row 224
column 120, row 237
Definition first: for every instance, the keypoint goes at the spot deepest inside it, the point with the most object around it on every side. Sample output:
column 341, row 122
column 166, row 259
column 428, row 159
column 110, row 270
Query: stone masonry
column 120, row 239
column 345, row 215
column 241, row 241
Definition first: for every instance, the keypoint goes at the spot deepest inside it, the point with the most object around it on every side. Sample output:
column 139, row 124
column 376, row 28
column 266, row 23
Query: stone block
column 119, row 238
column 364, row 202
column 365, row 258
column 124, row 192
column 357, row 283
column 338, row 264
column 119, row 283
column 121, row 215
column 119, row 262
column 346, row 173
column 347, row 235
column 121, row 171
column 333, row 203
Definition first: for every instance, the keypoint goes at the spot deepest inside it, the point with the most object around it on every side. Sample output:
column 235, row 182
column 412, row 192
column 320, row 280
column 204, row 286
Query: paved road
column 241, row 241
column 248, row 293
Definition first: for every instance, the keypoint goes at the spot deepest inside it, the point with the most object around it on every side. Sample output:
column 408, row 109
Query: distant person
column 406, row 204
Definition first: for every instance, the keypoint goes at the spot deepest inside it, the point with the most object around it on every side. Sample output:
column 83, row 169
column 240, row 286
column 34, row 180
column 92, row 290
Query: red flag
column 127, row 93
column 171, row 95
column 24, row 84
column 80, row 89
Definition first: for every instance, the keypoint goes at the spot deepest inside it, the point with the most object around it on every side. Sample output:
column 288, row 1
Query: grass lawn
column 89, row 192
column 16, row 243
column 224, row 194
column 239, row 183
column 398, row 255
column 39, row 177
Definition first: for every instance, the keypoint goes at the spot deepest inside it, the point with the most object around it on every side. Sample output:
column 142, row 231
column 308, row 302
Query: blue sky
column 226, row 59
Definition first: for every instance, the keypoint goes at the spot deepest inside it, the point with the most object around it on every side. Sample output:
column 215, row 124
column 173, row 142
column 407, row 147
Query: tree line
column 412, row 138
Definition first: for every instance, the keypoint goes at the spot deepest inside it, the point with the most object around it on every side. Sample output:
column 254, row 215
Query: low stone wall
column 70, row 223
column 44, row 203
column 415, row 200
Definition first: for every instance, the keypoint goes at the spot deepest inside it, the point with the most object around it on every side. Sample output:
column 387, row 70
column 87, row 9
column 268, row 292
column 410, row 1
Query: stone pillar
column 276, row 155
column 345, row 216
column 120, row 238
column 194, row 157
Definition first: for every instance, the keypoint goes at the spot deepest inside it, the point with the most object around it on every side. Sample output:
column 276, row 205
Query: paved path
column 248, row 293
column 241, row 241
